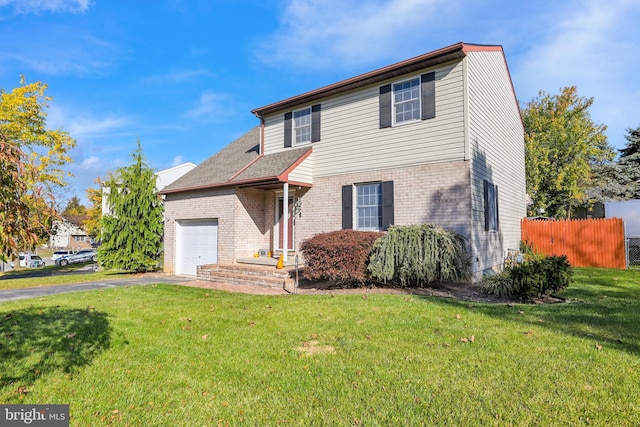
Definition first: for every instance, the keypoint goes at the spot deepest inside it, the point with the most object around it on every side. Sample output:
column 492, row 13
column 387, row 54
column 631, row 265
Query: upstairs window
column 406, row 101
column 302, row 125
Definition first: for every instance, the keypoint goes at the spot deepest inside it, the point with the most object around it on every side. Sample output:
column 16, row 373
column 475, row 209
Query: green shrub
column 499, row 284
column 339, row 256
column 418, row 255
column 541, row 276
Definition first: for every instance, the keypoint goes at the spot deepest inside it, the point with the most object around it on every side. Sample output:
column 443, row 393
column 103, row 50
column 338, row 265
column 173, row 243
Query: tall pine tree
column 132, row 229
column 629, row 162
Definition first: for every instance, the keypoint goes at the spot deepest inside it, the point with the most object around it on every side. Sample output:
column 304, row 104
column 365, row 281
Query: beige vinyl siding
column 496, row 146
column 351, row 140
column 303, row 172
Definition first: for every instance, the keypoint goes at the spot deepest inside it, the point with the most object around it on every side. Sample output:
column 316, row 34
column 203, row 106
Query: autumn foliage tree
column 92, row 223
column 563, row 146
column 31, row 165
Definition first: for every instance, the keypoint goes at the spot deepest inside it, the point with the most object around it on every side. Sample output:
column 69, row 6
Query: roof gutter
column 446, row 54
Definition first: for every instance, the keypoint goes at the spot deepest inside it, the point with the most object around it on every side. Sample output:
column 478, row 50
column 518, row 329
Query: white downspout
column 285, row 222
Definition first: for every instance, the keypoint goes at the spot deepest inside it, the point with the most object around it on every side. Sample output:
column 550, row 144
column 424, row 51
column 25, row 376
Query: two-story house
column 433, row 139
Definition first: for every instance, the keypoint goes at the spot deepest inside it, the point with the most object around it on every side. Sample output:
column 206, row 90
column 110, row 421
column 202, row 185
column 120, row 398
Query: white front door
column 196, row 244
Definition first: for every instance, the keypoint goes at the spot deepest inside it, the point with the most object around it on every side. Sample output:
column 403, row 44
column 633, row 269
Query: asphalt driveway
column 143, row 279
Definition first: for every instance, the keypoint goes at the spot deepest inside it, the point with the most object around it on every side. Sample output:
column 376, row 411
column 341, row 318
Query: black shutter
column 497, row 211
column 347, row 207
column 287, row 129
column 428, row 89
column 387, row 204
column 315, row 123
column 385, row 106
column 486, row 205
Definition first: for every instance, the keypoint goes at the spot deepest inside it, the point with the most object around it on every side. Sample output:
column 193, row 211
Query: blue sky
column 183, row 75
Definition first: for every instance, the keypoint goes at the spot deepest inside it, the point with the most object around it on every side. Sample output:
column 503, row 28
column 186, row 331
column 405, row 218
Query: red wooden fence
column 585, row 242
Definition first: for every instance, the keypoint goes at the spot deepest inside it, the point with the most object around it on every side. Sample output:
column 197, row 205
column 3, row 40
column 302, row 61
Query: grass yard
column 165, row 355
column 52, row 275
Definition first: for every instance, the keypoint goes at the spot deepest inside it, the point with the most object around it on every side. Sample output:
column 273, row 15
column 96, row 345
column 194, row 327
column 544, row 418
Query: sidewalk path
column 142, row 279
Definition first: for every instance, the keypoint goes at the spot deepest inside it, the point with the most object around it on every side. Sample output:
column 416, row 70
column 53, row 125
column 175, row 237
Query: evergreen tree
column 132, row 229
column 629, row 163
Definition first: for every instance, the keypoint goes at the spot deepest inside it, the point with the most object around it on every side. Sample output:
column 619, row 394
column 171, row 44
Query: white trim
column 279, row 195
column 294, row 134
column 393, row 102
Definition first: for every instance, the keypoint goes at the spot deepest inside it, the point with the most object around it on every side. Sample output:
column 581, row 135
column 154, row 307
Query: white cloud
column 211, row 107
column 322, row 33
column 90, row 164
column 178, row 77
column 178, row 160
column 39, row 6
column 82, row 125
column 590, row 45
column 56, row 50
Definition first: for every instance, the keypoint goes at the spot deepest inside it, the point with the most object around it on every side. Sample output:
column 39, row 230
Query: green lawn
column 165, row 355
column 52, row 275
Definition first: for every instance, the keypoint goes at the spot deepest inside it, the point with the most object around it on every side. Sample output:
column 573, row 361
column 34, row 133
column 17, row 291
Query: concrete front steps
column 245, row 274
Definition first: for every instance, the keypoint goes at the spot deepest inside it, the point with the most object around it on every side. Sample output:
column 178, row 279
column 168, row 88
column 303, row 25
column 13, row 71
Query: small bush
column 541, row 276
column 499, row 284
column 419, row 255
column 339, row 256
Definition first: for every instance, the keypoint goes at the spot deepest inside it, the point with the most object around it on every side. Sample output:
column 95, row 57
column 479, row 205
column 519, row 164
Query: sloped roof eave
column 280, row 178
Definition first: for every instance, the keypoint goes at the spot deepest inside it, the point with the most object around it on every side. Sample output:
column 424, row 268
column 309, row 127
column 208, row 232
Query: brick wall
column 436, row 193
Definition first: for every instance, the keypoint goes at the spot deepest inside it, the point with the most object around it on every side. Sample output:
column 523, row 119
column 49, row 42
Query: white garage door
column 196, row 244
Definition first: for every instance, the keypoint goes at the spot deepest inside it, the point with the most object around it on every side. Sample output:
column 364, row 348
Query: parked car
column 84, row 255
column 25, row 258
column 59, row 254
column 35, row 261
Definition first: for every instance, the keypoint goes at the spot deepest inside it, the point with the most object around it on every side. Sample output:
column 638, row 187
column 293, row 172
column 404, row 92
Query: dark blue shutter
column 315, row 123
column 287, row 129
column 385, row 106
column 347, row 207
column 387, row 204
column 428, row 90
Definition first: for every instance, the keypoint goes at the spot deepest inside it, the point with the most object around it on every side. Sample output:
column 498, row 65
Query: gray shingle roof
column 223, row 165
column 238, row 162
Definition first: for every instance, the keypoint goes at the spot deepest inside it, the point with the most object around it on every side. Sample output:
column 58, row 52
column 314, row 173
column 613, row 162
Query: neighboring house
column 163, row 178
column 167, row 176
column 69, row 233
column 629, row 211
column 434, row 139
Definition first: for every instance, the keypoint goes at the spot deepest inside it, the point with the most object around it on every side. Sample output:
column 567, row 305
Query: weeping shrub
column 418, row 255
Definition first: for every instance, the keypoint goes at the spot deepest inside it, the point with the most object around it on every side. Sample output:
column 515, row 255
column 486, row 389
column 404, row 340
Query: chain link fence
column 633, row 251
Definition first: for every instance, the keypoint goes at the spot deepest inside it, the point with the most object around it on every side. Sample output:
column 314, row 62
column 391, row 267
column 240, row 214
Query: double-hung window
column 406, row 101
column 369, row 206
column 302, row 125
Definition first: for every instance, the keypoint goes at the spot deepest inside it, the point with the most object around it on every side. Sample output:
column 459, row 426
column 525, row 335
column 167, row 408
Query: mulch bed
column 459, row 291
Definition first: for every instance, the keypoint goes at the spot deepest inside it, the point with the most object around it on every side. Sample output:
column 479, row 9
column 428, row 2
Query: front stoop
column 243, row 274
